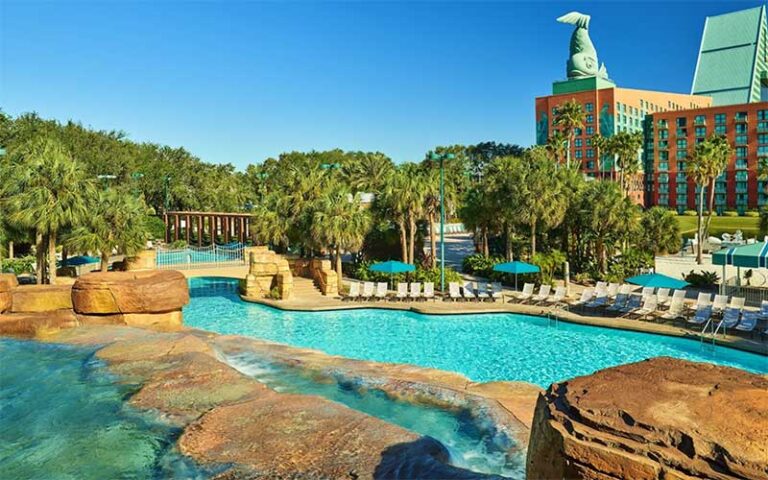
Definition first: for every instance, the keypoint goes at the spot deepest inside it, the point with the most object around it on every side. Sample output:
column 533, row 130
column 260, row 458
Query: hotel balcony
column 741, row 118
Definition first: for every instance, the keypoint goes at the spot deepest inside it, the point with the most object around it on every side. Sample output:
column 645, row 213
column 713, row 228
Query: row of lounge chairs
column 542, row 297
column 379, row 291
column 474, row 291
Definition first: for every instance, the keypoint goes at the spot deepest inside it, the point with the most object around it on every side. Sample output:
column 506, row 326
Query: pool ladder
column 552, row 318
column 706, row 337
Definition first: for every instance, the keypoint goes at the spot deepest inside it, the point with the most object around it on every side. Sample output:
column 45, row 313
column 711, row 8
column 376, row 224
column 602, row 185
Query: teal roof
column 731, row 57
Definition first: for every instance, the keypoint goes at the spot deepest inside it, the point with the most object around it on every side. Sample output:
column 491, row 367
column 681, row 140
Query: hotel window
column 554, row 111
column 700, row 120
column 701, row 131
column 663, row 134
column 681, row 121
column 741, row 139
column 741, row 152
column 590, row 130
column 664, row 155
column 762, row 139
column 618, row 106
column 578, row 143
column 719, row 119
column 682, row 179
column 663, row 166
column 590, row 165
column 589, row 107
column 577, row 132
column 578, row 154
column 721, row 129
column 762, row 114
column 589, row 142
column 590, row 118
column 681, row 154
column 663, row 143
column 680, row 168
column 741, row 116
column 682, row 143
column 762, row 151
column 590, row 153
column 762, row 126
column 741, row 128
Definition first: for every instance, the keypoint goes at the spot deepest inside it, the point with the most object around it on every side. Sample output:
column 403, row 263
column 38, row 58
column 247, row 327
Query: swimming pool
column 485, row 347
column 62, row 415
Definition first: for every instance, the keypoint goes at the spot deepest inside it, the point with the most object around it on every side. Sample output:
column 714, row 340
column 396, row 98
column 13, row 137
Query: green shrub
column 703, row 279
column 690, row 213
column 361, row 271
column 433, row 275
column 752, row 213
column 18, row 265
column 582, row 278
column 274, row 294
column 730, row 213
column 178, row 244
column 479, row 264
column 155, row 227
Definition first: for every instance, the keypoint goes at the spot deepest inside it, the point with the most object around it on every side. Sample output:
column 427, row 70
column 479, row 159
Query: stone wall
column 658, row 419
column 324, row 276
column 7, row 283
column 267, row 270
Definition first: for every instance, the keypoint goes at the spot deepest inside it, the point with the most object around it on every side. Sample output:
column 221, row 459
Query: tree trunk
column 52, row 257
column 711, row 206
column 403, row 241
column 486, row 251
column 40, row 257
column 10, row 249
column 105, row 261
column 338, row 268
column 508, row 241
column 412, row 240
column 600, row 255
column 432, row 239
column 533, row 239
column 699, row 232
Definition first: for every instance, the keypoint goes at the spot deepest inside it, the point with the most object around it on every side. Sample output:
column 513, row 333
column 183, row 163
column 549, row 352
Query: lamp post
column 442, row 157
column 166, row 185
column 136, row 176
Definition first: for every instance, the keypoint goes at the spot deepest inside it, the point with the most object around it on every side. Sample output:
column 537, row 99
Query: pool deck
column 440, row 307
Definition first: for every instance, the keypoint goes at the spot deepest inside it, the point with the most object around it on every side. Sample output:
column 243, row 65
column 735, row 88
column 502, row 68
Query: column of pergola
column 232, row 226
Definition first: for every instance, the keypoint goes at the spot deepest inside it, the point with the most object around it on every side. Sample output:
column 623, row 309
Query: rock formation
column 267, row 270
column 658, row 419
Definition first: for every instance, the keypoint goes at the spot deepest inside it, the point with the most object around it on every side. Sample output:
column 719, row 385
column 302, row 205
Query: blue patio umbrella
column 516, row 268
column 80, row 260
column 391, row 267
column 657, row 280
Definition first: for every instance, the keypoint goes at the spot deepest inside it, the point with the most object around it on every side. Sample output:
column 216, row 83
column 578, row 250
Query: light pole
column 442, row 158
column 167, row 184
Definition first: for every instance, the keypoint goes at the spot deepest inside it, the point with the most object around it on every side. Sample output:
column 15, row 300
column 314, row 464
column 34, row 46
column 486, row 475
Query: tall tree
column 709, row 160
column 660, row 231
column 569, row 116
column 116, row 220
column 557, row 146
column 625, row 148
column 339, row 222
column 47, row 193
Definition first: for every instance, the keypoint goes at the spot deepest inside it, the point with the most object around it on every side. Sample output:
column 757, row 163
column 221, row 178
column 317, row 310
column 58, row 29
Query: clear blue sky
column 241, row 81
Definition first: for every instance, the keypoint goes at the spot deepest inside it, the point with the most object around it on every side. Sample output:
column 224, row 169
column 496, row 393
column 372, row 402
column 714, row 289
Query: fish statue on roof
column 583, row 59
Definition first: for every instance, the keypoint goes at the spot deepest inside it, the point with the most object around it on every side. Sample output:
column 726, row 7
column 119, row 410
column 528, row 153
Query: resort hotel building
column 729, row 94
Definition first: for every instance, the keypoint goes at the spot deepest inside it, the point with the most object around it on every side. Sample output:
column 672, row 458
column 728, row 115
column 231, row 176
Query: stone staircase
column 305, row 288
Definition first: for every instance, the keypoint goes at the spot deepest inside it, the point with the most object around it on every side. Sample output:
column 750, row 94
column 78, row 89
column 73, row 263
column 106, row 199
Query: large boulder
column 41, row 298
column 658, row 419
column 140, row 292
column 6, row 298
column 36, row 324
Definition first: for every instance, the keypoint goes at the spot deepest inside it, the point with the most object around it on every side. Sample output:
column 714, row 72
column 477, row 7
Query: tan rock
column 34, row 324
column 658, row 419
column 41, row 298
column 155, row 291
column 144, row 260
column 167, row 321
column 10, row 279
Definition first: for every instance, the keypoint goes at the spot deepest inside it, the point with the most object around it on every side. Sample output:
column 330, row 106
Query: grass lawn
column 748, row 225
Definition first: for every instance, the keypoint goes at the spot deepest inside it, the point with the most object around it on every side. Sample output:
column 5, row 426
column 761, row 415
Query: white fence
column 753, row 295
column 201, row 257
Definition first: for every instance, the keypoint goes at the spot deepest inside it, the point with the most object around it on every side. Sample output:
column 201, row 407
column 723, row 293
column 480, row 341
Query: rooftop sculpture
column 583, row 60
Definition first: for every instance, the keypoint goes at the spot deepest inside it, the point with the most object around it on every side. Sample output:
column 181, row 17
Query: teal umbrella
column 516, row 268
column 657, row 280
column 391, row 267
column 754, row 255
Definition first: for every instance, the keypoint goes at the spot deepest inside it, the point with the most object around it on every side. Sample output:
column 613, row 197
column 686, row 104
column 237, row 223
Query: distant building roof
column 732, row 59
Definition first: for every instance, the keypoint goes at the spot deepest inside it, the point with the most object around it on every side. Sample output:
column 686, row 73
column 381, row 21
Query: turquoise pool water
column 62, row 416
column 482, row 347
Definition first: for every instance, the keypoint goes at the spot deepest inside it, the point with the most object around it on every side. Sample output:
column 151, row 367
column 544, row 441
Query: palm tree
column 368, row 172
column 47, row 194
column 661, row 232
column 403, row 199
column 709, row 160
column 339, row 222
column 557, row 146
column 626, row 148
column 569, row 116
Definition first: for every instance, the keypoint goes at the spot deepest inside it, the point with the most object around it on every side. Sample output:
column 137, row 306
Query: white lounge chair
column 675, row 311
column 586, row 297
column 354, row 291
column 647, row 292
column 557, row 297
column 601, row 287
column 748, row 322
column 368, row 288
column 613, row 290
column 600, row 300
column 662, row 296
column 649, row 306
column 677, row 296
column 429, row 290
column 703, row 300
column 721, row 301
column 402, row 291
column 381, row 290
column 454, row 293
column 763, row 315
column 415, row 292
column 625, row 288
column 469, row 292
column 543, row 294
column 482, row 292
column 526, row 294
column 496, row 292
